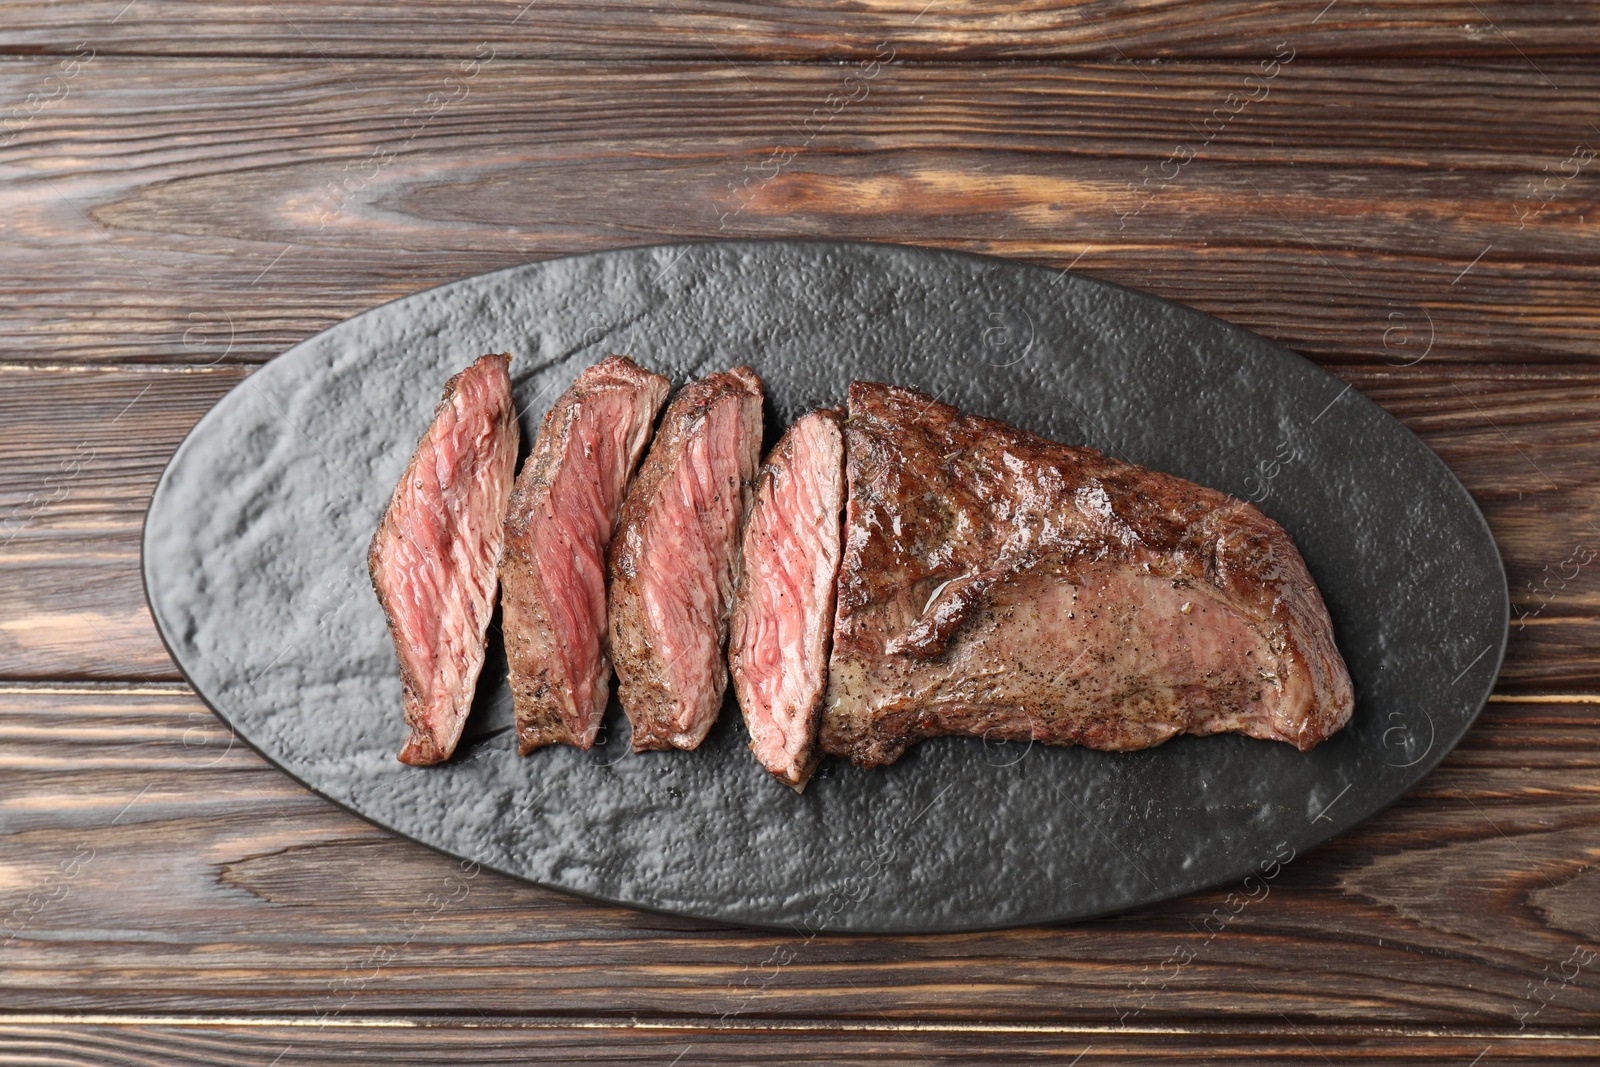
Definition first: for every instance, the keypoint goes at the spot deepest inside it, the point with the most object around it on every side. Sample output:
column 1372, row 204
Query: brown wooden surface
column 206, row 185
column 807, row 29
column 205, row 211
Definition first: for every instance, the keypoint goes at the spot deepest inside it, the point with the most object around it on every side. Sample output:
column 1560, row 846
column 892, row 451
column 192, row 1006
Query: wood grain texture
column 268, row 1043
column 200, row 212
column 73, row 493
column 151, row 864
column 812, row 29
column 83, row 450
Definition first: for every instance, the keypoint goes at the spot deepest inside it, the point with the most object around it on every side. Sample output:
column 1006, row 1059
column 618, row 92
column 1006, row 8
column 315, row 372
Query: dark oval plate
column 254, row 563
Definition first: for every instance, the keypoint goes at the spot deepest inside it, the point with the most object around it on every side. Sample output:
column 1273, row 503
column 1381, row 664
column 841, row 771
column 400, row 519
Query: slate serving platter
column 254, row 564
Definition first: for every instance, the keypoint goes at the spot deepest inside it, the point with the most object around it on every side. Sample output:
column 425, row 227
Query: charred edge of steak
column 558, row 530
column 782, row 621
column 432, row 742
column 973, row 503
column 1256, row 561
column 673, row 562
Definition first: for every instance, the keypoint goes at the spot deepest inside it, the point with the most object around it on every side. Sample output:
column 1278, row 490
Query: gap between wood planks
column 1560, row 61
column 385, row 1022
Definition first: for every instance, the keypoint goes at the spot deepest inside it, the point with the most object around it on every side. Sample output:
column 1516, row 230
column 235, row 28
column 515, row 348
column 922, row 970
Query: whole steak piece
column 783, row 608
column 675, row 559
column 999, row 584
column 553, row 576
column 435, row 555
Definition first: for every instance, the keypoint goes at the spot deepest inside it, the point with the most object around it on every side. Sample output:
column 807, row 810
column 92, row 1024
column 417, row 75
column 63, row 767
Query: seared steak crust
column 674, row 560
column 783, row 608
column 1000, row 584
column 553, row 594
column 434, row 557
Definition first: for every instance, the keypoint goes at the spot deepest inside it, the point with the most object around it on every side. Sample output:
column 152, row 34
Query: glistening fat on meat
column 435, row 555
column 563, row 513
column 783, row 608
column 673, row 563
column 999, row 584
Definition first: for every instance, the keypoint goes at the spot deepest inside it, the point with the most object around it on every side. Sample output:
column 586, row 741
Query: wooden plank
column 75, row 608
column 84, row 444
column 198, row 212
column 281, row 1043
column 149, row 863
column 73, row 493
column 721, row 30
column 83, row 450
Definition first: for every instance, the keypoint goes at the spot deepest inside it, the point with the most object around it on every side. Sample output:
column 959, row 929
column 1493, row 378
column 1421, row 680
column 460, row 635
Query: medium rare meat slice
column 553, row 575
column 783, row 608
column 999, row 584
column 433, row 559
column 674, row 560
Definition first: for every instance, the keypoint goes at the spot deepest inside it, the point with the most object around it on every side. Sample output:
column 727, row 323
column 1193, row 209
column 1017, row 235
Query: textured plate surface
column 254, row 559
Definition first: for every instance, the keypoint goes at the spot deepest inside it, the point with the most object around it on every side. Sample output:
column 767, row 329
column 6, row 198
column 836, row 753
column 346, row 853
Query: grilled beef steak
column 434, row 557
column 674, row 560
column 999, row 584
column 553, row 575
column 783, row 608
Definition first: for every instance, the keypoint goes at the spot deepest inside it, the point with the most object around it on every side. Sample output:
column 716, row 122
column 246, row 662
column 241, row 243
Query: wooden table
column 1399, row 191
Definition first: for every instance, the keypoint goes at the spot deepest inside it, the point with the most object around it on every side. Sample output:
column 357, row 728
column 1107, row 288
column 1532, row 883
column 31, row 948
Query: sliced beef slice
column 435, row 555
column 563, row 513
column 783, row 607
column 673, row 563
